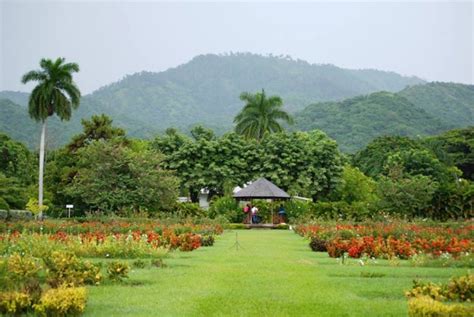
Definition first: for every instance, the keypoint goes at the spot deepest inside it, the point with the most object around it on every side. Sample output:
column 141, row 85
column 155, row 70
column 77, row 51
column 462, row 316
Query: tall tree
column 55, row 93
column 260, row 115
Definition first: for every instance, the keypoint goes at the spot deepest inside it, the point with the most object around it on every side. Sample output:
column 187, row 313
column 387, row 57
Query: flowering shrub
column 64, row 268
column 430, row 299
column 14, row 303
column 402, row 240
column 425, row 306
column 117, row 270
column 62, row 302
column 95, row 239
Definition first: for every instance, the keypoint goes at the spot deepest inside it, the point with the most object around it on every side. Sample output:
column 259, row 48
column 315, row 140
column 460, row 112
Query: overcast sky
column 432, row 40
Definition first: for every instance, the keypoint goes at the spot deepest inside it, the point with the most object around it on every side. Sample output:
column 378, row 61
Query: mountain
column 206, row 91
column 415, row 111
column 453, row 103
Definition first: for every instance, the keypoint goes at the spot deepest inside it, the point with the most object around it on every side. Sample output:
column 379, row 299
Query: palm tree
column 260, row 115
column 55, row 93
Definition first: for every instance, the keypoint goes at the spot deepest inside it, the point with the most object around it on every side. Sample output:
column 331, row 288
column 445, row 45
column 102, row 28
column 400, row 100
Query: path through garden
column 274, row 273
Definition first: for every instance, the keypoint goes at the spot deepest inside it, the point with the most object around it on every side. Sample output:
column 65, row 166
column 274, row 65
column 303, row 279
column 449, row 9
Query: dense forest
column 103, row 169
column 205, row 91
column 419, row 110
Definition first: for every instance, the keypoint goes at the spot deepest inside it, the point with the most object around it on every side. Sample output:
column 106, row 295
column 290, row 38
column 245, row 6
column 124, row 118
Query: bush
column 461, row 288
column 4, row 205
column 207, row 241
column 64, row 268
column 356, row 211
column 458, row 289
column 157, row 263
column 425, row 306
column 139, row 264
column 62, row 302
column 318, row 245
column 117, row 270
column 22, row 268
column 185, row 210
column 14, row 303
column 226, row 206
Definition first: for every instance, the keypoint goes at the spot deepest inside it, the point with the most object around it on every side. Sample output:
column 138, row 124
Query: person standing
column 254, row 214
column 247, row 211
column 282, row 214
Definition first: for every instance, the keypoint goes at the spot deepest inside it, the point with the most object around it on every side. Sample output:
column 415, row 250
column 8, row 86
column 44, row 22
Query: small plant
column 207, row 241
column 90, row 273
column 458, row 289
column 426, row 306
column 14, row 303
column 22, row 268
column 117, row 270
column 63, row 269
column 139, row 264
column 158, row 263
column 35, row 209
column 62, row 302
column 461, row 288
column 371, row 274
column 318, row 245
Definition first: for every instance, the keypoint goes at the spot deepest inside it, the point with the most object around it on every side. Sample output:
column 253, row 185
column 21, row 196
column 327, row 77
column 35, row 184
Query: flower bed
column 98, row 239
column 399, row 239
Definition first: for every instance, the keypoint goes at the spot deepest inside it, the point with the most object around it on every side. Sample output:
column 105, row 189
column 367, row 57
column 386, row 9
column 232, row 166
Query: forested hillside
column 206, row 91
column 453, row 103
column 415, row 111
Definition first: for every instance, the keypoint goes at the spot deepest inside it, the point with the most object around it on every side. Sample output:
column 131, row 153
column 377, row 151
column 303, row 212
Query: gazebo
column 262, row 188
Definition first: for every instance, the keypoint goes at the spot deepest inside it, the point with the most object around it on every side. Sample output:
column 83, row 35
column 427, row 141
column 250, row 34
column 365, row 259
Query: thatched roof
column 261, row 189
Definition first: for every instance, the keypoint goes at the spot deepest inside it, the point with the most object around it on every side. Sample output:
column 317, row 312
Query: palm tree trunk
column 41, row 169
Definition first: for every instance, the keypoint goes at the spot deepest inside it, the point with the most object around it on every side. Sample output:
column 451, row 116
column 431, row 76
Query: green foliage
column 117, row 271
column 341, row 210
column 65, row 269
column 408, row 160
column 207, row 163
column 226, row 206
column 405, row 195
column 449, row 101
column 204, row 91
column 4, row 205
column 33, row 206
column 425, row 306
column 373, row 159
column 11, row 194
column 14, row 303
column 62, row 165
column 55, row 93
column 455, row 147
column 355, row 187
column 22, row 268
column 61, row 302
column 355, row 122
column 304, row 163
column 16, row 161
column 185, row 210
column 261, row 115
column 112, row 177
column 95, row 129
column 459, row 289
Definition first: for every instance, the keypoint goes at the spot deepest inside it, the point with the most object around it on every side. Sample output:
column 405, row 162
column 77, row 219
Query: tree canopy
column 260, row 115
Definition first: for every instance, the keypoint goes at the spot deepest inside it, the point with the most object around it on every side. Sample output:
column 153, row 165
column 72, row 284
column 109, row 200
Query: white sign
column 69, row 206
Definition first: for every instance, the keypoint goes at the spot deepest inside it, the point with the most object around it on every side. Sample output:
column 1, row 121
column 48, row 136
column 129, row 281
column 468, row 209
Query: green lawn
column 273, row 274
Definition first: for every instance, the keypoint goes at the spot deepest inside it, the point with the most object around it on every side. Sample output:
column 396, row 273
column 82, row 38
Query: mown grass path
column 273, row 274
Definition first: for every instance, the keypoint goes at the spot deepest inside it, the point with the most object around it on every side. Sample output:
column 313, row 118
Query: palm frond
column 34, row 75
